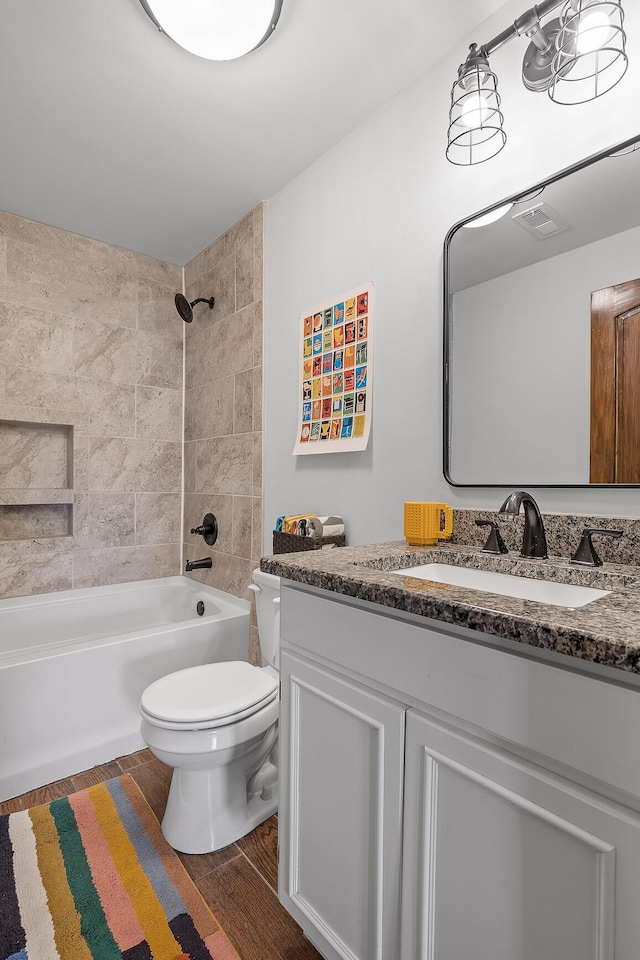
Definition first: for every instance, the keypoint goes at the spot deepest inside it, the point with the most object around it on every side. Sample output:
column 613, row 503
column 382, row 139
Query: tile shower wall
column 90, row 412
column 223, row 404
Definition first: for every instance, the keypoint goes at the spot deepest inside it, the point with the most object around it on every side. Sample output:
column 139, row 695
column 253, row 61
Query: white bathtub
column 74, row 664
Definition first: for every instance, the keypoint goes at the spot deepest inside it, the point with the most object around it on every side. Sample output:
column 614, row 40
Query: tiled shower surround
column 223, row 404
column 91, row 385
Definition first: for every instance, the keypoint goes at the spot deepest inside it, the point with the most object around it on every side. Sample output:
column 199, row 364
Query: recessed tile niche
column 36, row 480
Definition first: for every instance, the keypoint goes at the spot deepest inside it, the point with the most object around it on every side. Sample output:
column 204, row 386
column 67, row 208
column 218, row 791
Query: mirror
column 542, row 333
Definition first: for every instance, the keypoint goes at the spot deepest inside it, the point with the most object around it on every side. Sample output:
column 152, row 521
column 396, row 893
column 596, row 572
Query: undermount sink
column 526, row 588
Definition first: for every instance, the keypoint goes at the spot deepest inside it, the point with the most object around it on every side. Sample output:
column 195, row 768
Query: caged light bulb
column 593, row 32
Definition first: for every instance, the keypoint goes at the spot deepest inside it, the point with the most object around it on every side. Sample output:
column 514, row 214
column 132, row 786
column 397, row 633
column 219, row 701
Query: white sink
column 543, row 591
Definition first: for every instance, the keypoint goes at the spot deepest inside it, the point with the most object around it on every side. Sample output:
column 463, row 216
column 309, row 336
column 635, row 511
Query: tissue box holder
column 291, row 543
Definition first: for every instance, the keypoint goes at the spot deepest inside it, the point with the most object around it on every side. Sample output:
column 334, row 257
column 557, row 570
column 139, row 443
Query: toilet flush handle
column 254, row 587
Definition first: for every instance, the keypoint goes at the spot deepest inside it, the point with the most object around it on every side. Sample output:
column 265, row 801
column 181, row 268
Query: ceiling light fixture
column 215, row 29
column 575, row 58
column 488, row 218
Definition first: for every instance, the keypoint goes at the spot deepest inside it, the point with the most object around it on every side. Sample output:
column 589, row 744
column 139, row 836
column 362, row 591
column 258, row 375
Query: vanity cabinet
column 505, row 861
column 342, row 746
column 442, row 799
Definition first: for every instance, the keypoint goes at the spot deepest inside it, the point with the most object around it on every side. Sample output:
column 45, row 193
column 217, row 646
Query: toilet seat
column 209, row 695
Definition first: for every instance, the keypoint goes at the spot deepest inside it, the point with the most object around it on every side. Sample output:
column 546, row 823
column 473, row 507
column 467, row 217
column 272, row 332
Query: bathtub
column 74, row 664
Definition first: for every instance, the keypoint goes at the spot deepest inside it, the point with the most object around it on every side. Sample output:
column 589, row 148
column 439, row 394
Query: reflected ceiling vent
column 541, row 221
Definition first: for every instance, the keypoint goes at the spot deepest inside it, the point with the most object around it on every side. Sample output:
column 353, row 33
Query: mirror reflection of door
column 615, row 384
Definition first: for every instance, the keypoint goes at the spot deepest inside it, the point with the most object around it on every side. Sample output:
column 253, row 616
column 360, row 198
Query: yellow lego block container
column 425, row 523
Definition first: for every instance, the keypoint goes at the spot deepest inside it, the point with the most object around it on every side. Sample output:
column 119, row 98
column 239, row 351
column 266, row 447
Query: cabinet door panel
column 341, row 811
column 506, row 862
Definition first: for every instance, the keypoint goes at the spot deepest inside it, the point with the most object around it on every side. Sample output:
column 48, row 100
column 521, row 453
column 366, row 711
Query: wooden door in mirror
column 615, row 384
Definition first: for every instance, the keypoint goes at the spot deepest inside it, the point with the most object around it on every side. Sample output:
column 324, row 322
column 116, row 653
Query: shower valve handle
column 207, row 529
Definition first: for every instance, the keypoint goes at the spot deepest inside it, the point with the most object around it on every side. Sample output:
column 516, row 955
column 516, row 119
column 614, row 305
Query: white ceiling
column 111, row 130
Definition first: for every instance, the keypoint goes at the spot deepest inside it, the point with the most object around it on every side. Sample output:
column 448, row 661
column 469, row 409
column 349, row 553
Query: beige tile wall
column 223, row 405
column 90, row 338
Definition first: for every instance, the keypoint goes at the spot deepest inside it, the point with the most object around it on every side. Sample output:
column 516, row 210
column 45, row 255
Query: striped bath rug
column 90, row 877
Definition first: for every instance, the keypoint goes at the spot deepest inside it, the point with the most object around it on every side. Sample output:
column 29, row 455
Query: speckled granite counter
column 606, row 631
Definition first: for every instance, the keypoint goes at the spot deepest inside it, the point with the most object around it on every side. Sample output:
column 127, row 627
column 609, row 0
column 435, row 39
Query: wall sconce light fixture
column 217, row 29
column 475, row 119
column 574, row 58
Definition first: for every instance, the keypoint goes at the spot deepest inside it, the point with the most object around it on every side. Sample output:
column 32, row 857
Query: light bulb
column 593, row 32
column 475, row 111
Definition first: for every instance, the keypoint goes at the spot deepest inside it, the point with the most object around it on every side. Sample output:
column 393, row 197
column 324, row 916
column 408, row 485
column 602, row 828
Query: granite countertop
column 606, row 631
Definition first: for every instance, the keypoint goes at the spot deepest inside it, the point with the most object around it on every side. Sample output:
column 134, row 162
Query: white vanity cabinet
column 505, row 861
column 342, row 746
column 516, row 781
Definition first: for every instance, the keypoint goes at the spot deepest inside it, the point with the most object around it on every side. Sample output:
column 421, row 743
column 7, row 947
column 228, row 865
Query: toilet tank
column 266, row 589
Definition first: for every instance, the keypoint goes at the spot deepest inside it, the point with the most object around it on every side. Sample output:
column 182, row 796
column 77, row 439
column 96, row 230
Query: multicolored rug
column 90, row 877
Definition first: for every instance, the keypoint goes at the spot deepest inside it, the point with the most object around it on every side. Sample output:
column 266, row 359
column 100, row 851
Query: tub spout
column 205, row 563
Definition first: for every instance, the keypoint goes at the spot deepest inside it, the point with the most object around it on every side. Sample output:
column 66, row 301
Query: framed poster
column 335, row 361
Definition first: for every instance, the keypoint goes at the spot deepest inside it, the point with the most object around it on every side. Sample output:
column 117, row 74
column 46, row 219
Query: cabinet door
column 505, row 861
column 341, row 764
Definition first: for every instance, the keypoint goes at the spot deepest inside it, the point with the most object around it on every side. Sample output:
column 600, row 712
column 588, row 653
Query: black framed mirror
column 542, row 332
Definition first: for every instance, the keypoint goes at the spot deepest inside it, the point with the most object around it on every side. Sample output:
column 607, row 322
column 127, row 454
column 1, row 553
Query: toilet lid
column 212, row 691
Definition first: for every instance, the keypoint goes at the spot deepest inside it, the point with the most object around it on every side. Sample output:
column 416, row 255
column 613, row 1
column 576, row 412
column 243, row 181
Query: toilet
column 217, row 726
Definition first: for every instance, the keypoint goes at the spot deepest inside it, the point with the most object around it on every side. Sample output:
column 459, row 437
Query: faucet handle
column 586, row 553
column 207, row 529
column 495, row 543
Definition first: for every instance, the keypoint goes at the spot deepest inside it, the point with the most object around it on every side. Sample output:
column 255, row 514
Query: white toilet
column 217, row 726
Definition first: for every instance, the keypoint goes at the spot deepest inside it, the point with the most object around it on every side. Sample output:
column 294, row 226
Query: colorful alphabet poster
column 335, row 363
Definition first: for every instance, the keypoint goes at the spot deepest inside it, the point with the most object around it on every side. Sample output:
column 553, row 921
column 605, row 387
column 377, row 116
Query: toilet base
column 208, row 809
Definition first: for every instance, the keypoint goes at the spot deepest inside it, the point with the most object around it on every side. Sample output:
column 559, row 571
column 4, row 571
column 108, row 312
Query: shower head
column 184, row 308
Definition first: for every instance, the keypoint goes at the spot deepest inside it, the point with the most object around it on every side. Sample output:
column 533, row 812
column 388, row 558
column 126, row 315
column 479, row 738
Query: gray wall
column 377, row 207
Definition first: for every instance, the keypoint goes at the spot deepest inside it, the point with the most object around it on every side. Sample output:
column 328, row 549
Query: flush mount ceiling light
column 575, row 58
column 215, row 29
column 488, row 218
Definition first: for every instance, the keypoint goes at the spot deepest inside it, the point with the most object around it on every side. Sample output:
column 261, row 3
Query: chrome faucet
column 534, row 540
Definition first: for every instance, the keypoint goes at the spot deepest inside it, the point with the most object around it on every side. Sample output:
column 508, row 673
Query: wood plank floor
column 239, row 882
